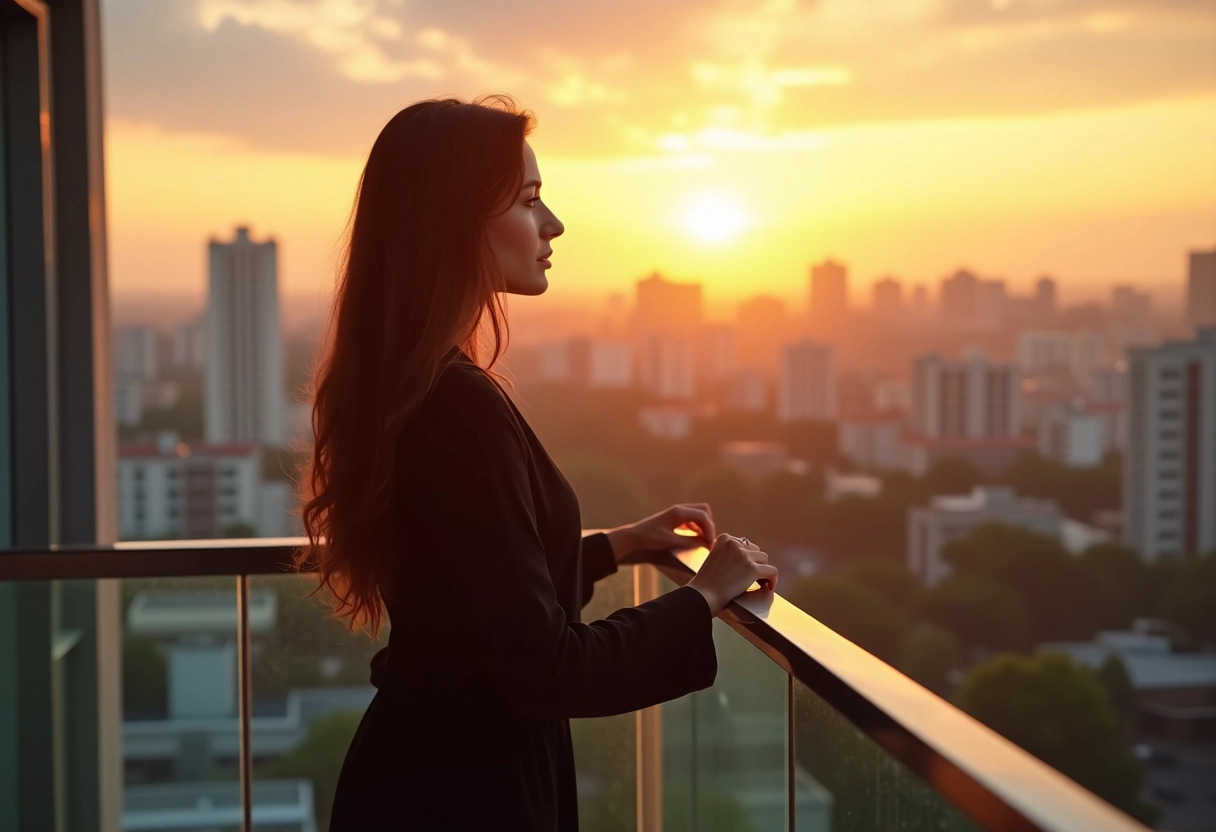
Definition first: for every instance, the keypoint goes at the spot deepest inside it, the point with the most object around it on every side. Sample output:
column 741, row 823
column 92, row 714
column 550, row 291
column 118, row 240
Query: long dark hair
column 417, row 278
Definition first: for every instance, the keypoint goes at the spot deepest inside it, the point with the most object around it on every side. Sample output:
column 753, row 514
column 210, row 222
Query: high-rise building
column 762, row 327
column 1044, row 302
column 1130, row 305
column 1073, row 436
column 1080, row 354
column 968, row 399
column 587, row 362
column 888, row 299
column 667, row 365
column 746, row 391
column 189, row 348
column 991, row 302
column 665, row 306
column 959, row 296
column 719, row 356
column 667, row 325
column 1169, row 469
column 137, row 354
column 1201, row 288
column 829, row 295
column 243, row 380
column 806, row 388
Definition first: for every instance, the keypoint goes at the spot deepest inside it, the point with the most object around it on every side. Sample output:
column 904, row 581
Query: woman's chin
column 532, row 287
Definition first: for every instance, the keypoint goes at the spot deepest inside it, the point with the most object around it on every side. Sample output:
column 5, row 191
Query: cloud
column 324, row 75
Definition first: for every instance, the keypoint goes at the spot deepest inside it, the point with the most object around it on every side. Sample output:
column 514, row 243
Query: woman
column 438, row 505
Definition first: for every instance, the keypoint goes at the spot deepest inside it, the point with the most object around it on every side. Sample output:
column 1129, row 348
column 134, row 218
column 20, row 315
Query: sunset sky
column 730, row 142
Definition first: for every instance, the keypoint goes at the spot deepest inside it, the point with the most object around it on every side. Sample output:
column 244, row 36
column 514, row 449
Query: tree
column 609, row 494
column 1192, row 600
column 318, row 758
column 1079, row 491
column 1118, row 575
column 1057, row 710
column 1063, row 597
column 980, row 611
column 1119, row 689
column 928, row 654
column 237, row 530
column 731, row 495
column 785, row 506
column 856, row 527
column 185, row 416
column 950, row 476
column 145, row 677
column 813, row 441
column 857, row 613
column 887, row 578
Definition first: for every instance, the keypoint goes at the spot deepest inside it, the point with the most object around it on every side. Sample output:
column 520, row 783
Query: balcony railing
column 803, row 730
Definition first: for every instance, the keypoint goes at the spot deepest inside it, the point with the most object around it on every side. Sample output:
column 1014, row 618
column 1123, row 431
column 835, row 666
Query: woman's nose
column 553, row 227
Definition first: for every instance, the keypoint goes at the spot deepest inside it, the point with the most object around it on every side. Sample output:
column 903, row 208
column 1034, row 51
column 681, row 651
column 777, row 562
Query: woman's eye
column 531, row 203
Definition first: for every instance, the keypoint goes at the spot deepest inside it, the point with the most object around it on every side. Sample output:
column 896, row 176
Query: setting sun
column 713, row 218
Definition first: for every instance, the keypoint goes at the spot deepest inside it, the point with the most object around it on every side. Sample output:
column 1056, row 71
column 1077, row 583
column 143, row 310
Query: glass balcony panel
column 310, row 687
column 180, row 731
column 845, row 782
column 605, row 750
column 725, row 748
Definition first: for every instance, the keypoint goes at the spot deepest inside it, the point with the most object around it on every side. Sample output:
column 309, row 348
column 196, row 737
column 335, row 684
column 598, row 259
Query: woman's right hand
column 730, row 569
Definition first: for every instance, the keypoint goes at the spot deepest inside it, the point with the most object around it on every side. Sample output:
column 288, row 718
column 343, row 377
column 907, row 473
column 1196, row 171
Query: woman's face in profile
column 520, row 235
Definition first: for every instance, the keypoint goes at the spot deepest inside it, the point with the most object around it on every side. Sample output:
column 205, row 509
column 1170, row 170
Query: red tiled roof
column 964, row 443
column 885, row 417
column 150, row 450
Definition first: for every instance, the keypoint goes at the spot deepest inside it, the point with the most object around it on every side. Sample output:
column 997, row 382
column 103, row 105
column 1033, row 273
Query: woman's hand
column 659, row 531
column 732, row 566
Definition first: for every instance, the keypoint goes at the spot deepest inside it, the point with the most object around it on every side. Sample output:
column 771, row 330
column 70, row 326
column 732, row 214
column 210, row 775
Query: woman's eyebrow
column 531, row 183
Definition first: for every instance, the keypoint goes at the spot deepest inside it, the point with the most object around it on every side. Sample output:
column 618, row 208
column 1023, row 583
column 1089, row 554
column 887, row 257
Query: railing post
column 244, row 700
column 791, row 762
column 649, row 722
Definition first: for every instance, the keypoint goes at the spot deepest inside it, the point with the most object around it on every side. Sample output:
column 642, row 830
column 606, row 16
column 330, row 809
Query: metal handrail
column 970, row 765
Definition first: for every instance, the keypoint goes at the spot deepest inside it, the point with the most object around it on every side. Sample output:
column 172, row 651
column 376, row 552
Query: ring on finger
column 744, row 541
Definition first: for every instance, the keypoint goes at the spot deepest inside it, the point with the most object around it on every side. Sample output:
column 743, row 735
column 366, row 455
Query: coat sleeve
column 543, row 664
column 598, row 563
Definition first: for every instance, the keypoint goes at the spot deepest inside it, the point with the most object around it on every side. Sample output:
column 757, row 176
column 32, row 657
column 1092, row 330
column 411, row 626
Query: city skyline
column 301, row 311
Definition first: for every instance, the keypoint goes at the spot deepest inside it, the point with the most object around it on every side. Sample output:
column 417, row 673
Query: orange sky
column 910, row 137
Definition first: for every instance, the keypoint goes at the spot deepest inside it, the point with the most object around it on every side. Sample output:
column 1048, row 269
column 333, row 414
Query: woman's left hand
column 659, row 531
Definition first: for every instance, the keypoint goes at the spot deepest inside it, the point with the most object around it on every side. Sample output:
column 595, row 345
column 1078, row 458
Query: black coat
column 487, row 660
